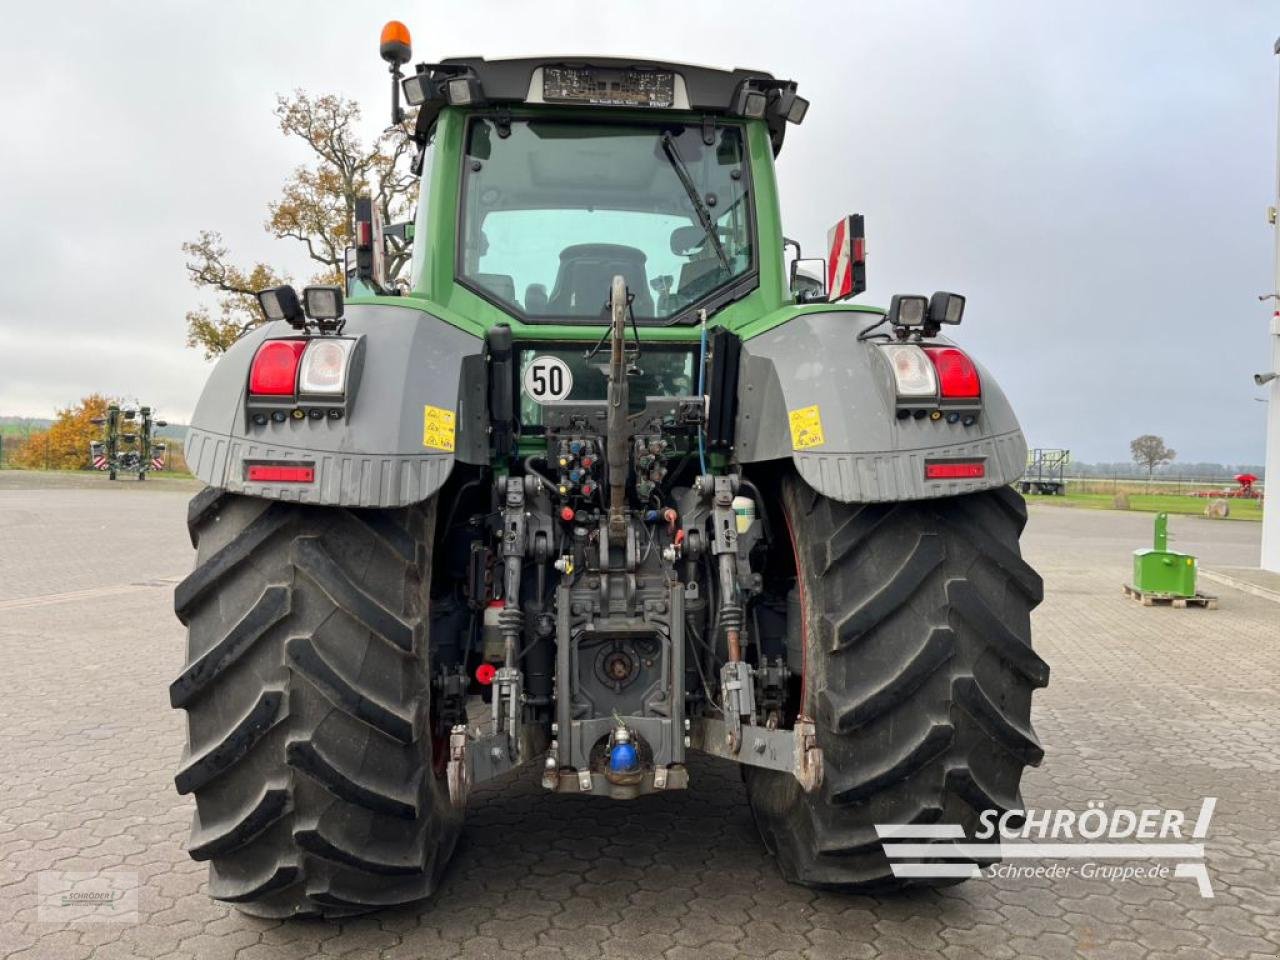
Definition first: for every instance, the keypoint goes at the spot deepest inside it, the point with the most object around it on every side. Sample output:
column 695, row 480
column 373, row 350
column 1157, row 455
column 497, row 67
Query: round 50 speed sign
column 547, row 378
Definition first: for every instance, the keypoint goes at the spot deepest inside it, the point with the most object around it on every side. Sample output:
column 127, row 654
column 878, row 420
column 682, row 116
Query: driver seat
column 586, row 273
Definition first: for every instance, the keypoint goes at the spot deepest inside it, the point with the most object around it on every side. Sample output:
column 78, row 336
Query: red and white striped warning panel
column 846, row 258
column 157, row 463
column 99, row 462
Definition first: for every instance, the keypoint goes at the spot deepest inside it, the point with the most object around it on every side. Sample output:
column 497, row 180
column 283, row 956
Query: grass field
column 36, row 473
column 1151, row 503
column 24, row 428
column 92, row 479
column 1178, row 485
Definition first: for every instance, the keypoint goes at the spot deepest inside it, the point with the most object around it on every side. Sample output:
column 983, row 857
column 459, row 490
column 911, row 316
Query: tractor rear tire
column 918, row 672
column 307, row 693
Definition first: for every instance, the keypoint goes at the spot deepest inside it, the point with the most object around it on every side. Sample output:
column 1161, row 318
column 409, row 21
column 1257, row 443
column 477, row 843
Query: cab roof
column 600, row 82
column 708, row 89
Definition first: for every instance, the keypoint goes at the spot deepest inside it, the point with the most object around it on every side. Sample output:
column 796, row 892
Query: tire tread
column 306, row 692
column 920, row 673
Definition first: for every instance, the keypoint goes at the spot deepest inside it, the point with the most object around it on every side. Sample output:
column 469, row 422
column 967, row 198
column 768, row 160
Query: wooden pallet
column 1168, row 599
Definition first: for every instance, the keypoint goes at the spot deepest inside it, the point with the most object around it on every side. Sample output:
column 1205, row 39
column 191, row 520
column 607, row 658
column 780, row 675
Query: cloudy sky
column 1094, row 176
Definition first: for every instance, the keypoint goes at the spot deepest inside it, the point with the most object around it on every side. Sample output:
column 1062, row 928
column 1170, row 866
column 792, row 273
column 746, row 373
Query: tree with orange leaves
column 65, row 445
column 316, row 208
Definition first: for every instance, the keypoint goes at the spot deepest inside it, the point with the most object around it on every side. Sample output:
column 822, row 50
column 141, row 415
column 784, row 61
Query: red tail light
column 275, row 368
column 957, row 376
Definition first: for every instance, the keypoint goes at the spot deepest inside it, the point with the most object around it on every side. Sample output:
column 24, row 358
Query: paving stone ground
column 1146, row 707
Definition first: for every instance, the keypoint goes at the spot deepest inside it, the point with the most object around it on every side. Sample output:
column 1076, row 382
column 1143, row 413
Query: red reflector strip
column 954, row 471
column 837, row 256
column 267, row 473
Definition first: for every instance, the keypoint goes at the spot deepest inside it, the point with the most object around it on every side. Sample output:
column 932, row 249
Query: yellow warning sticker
column 438, row 428
column 806, row 428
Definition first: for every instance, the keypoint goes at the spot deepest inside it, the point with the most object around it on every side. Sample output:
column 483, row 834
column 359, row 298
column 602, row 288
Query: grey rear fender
column 866, row 454
column 377, row 454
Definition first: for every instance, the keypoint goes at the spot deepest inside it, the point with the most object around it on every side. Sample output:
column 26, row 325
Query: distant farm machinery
column 1046, row 472
column 1243, row 490
column 128, row 444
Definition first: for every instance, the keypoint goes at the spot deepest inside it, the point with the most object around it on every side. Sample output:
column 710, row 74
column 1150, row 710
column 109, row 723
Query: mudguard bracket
column 794, row 751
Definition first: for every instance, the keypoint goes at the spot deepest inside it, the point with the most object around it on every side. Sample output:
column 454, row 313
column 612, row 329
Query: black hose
column 538, row 474
column 866, row 332
column 453, row 507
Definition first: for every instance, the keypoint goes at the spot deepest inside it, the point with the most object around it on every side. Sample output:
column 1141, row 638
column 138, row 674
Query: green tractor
column 603, row 484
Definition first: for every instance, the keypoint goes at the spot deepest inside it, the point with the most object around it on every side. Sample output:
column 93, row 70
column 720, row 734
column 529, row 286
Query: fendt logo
column 1077, row 844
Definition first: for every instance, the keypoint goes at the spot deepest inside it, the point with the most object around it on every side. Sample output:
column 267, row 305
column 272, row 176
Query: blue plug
column 623, row 758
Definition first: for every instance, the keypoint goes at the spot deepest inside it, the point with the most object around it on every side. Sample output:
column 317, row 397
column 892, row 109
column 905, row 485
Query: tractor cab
column 543, row 178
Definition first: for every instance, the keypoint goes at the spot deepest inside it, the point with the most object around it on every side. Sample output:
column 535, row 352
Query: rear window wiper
column 699, row 206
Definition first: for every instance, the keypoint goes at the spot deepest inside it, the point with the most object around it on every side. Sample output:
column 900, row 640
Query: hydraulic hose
column 538, row 474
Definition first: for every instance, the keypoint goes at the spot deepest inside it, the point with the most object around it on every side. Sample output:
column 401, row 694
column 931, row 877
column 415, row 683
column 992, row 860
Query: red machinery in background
column 1244, row 490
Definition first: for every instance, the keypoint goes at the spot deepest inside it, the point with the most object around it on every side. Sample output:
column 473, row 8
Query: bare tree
column 1149, row 451
column 316, row 208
